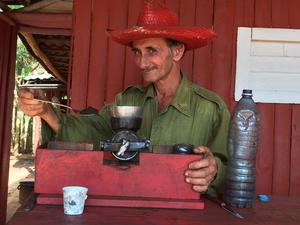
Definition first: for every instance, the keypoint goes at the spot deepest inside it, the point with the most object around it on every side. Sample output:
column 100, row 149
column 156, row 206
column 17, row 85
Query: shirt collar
column 150, row 91
column 182, row 98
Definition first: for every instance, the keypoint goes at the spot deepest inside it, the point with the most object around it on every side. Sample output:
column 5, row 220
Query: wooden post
column 8, row 42
column 81, row 52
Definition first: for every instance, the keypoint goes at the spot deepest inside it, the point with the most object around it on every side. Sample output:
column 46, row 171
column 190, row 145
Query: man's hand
column 29, row 106
column 202, row 172
column 32, row 107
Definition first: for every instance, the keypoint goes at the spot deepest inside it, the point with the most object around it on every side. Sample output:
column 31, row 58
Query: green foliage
column 22, row 126
column 25, row 63
column 14, row 7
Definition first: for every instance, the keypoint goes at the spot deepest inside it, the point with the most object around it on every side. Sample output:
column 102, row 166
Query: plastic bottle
column 240, row 178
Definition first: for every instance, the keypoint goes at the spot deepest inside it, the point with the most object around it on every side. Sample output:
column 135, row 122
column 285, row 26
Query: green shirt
column 195, row 116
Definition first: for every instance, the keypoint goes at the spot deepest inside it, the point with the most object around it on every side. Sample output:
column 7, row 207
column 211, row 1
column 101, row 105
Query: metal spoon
column 58, row 104
column 224, row 206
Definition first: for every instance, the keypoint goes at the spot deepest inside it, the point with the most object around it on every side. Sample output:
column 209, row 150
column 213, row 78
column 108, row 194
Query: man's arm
column 31, row 107
column 210, row 170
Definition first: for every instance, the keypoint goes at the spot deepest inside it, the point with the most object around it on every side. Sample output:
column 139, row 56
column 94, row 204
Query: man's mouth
column 147, row 70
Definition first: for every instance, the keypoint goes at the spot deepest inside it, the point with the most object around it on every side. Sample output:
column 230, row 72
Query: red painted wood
column 132, row 74
column 279, row 211
column 4, row 166
column 5, row 18
column 202, row 65
column 4, row 60
column 282, row 149
column 44, row 20
column 244, row 17
column 8, row 41
column 283, row 114
column 264, row 163
column 222, row 48
column 127, row 202
column 116, row 52
column 173, row 5
column 265, row 154
column 295, row 153
column 98, row 55
column 280, row 14
column 70, row 66
column 294, row 17
column 263, row 13
column 244, row 13
column 81, row 51
column 294, row 22
column 45, row 31
column 187, row 18
column 156, row 175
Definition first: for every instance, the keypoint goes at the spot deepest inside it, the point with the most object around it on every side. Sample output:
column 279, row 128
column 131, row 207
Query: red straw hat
column 156, row 20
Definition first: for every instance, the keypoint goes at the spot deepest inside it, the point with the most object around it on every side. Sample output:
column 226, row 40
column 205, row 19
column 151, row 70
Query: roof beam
column 7, row 19
column 38, row 5
column 17, row 2
column 37, row 51
column 42, row 20
column 45, row 31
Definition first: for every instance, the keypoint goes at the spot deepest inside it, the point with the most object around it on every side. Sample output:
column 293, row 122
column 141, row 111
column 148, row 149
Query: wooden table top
column 279, row 210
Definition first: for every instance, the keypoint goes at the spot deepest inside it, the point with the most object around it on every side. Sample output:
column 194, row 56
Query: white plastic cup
column 74, row 199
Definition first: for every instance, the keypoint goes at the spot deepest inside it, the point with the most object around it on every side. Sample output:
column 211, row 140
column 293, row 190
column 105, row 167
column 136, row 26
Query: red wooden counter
column 279, row 210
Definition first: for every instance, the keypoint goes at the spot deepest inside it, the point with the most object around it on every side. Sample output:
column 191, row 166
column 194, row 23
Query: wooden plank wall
column 8, row 42
column 102, row 68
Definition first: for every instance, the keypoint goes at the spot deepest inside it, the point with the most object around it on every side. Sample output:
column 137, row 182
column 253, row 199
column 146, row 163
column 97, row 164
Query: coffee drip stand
column 136, row 178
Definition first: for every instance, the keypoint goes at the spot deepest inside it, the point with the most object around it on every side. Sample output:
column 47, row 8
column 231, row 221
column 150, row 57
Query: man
column 175, row 110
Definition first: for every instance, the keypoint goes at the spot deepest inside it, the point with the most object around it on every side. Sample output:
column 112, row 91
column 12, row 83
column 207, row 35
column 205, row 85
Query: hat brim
column 192, row 37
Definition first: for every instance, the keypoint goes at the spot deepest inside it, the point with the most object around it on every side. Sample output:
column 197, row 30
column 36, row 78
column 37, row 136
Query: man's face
column 154, row 58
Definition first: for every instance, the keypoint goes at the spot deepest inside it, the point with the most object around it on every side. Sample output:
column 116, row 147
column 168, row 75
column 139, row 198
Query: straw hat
column 156, row 20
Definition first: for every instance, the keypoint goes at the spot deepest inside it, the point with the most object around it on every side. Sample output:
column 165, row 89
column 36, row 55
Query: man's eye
column 136, row 52
column 152, row 51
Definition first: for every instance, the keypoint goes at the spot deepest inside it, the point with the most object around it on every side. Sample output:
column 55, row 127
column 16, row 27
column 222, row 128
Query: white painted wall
column 268, row 62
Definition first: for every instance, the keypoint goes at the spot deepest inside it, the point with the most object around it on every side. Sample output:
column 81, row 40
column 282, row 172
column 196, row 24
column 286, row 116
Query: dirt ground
column 21, row 169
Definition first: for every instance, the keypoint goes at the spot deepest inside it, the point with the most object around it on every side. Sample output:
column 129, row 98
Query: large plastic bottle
column 243, row 138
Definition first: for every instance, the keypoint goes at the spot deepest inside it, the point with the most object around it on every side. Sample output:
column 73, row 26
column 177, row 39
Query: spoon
column 58, row 104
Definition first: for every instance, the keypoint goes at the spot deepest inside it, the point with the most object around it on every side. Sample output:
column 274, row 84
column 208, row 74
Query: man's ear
column 178, row 52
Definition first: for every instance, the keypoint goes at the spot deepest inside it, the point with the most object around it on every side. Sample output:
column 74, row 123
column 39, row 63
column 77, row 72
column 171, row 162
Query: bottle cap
column 247, row 92
column 263, row 198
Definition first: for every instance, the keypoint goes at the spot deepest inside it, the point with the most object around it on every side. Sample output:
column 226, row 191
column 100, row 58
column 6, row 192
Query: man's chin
column 148, row 77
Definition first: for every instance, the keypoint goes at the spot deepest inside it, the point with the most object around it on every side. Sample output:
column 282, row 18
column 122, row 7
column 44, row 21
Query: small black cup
column 183, row 149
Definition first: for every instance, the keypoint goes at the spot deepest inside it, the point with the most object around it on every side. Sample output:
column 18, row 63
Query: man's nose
column 143, row 62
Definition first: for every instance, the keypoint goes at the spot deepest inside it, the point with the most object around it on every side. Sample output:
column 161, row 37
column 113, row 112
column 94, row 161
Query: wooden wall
column 8, row 42
column 102, row 68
